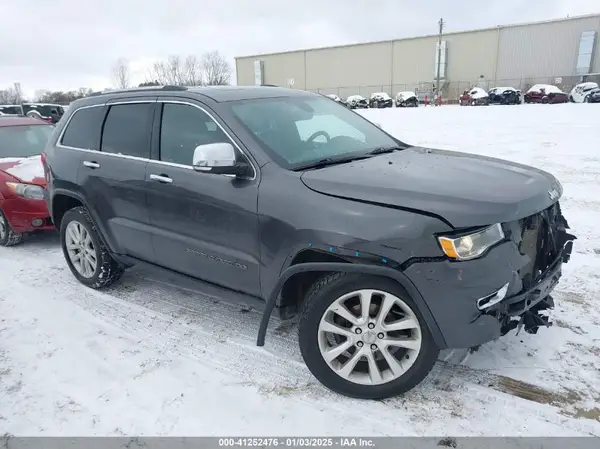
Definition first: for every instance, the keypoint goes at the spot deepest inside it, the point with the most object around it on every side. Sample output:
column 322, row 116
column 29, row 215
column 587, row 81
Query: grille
column 538, row 241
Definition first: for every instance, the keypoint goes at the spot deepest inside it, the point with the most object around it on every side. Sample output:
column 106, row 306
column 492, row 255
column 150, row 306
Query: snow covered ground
column 150, row 358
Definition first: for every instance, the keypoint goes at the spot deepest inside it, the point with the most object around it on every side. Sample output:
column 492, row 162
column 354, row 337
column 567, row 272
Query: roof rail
column 138, row 89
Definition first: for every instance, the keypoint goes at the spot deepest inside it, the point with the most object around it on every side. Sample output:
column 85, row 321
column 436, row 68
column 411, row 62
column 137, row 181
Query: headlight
column 473, row 245
column 26, row 190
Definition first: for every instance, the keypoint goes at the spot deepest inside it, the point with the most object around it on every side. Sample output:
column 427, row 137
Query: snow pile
column 405, row 95
column 27, row 169
column 478, row 92
column 381, row 95
column 355, row 98
column 548, row 88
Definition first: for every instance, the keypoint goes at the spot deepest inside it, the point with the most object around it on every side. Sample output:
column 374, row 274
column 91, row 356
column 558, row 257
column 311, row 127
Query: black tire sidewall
column 79, row 216
column 4, row 239
column 309, row 347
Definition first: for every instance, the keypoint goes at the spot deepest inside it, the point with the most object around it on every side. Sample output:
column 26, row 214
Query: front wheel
column 8, row 237
column 85, row 253
column 362, row 336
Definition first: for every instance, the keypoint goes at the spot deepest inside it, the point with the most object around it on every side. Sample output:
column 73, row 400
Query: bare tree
column 215, row 69
column 121, row 74
column 169, row 71
column 192, row 71
column 9, row 96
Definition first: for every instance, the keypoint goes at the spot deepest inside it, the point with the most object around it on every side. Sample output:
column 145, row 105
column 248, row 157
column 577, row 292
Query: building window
column 443, row 57
column 586, row 51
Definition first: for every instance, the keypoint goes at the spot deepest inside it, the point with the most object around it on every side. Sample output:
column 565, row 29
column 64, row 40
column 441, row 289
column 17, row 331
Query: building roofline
column 475, row 30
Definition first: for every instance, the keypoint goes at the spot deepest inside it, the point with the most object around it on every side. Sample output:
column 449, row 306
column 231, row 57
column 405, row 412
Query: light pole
column 439, row 58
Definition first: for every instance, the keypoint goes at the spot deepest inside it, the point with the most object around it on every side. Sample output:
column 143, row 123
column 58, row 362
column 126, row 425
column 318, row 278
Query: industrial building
column 563, row 52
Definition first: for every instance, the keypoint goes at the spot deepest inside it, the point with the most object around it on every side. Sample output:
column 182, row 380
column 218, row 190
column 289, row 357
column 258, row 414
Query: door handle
column 161, row 178
column 91, row 164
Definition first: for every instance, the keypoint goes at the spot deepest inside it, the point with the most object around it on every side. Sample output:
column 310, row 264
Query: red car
column 545, row 93
column 474, row 97
column 22, row 180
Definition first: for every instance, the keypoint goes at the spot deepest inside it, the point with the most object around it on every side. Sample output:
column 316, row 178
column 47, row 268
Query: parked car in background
column 337, row 99
column 380, row 100
column 357, row 102
column 22, row 205
column 592, row 96
column 581, row 91
column 406, row 256
column 545, row 93
column 474, row 97
column 407, row 99
column 50, row 113
column 11, row 109
column 504, row 95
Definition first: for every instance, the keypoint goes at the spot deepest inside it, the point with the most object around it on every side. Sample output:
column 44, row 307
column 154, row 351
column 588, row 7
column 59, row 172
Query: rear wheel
column 362, row 336
column 545, row 100
column 85, row 253
column 8, row 237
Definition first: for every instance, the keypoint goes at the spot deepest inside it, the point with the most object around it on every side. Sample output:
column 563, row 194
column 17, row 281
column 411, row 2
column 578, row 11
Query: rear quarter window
column 83, row 130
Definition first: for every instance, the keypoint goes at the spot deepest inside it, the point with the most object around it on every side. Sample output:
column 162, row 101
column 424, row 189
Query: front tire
column 8, row 237
column 85, row 253
column 351, row 344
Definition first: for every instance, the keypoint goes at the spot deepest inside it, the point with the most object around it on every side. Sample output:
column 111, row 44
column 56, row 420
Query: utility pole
column 439, row 58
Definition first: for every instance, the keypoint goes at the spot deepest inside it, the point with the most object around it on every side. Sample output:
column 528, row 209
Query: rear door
column 113, row 179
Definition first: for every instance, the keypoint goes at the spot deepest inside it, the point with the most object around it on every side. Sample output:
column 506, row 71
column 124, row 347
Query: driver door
column 203, row 225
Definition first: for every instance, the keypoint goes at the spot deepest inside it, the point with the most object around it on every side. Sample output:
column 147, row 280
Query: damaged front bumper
column 477, row 301
column 524, row 309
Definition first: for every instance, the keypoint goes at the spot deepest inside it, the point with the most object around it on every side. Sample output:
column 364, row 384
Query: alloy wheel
column 369, row 337
column 80, row 248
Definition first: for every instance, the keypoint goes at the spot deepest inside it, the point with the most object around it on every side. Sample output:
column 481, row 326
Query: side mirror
column 218, row 159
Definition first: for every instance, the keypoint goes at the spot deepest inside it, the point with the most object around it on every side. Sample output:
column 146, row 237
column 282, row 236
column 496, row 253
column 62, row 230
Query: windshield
column 296, row 131
column 23, row 141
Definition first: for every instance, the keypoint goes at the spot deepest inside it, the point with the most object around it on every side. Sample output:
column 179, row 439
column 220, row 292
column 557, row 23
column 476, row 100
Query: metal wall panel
column 469, row 55
column 277, row 69
column 513, row 55
column 352, row 66
column 542, row 50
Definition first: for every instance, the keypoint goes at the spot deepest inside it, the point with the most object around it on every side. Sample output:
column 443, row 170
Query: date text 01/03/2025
column 296, row 442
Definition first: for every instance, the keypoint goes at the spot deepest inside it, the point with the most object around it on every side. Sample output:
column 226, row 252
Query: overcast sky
column 67, row 44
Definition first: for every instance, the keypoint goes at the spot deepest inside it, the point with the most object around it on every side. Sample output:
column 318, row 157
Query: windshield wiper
column 383, row 150
column 325, row 162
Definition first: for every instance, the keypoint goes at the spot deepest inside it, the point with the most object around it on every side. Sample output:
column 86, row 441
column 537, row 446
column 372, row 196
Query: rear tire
column 376, row 372
column 101, row 269
column 8, row 237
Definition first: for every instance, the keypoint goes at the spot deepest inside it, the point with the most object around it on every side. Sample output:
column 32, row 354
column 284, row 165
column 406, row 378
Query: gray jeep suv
column 285, row 200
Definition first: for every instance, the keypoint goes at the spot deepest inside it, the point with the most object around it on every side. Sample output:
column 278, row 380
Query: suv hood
column 28, row 170
column 465, row 190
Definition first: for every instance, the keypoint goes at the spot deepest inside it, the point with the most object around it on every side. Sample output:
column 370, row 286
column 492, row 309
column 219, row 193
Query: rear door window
column 127, row 130
column 83, row 130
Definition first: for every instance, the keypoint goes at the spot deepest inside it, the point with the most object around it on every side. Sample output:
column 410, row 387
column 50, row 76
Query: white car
column 407, row 99
column 357, row 102
column 579, row 92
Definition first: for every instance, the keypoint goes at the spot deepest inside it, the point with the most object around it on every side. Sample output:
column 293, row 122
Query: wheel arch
column 65, row 200
column 325, row 267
